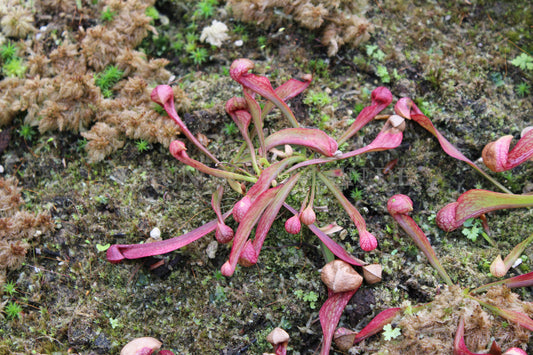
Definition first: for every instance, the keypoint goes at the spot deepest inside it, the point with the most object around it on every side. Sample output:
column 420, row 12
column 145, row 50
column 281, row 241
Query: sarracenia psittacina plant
column 474, row 203
column 399, row 206
column 264, row 197
column 406, row 108
column 497, row 157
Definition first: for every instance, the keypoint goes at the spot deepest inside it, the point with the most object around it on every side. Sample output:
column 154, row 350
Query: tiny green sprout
column 157, row 108
column 522, row 89
column 192, row 27
column 220, row 294
column 8, row 51
column 199, row 56
column 356, row 194
column 102, row 248
column 191, row 37
column 218, row 275
column 107, row 93
column 190, row 47
column 523, row 61
column 152, row 12
column 317, row 98
column 324, row 120
column 374, row 52
column 390, row 333
column 379, row 55
column 497, row 79
column 142, row 145
column 178, row 43
column 13, row 310
column 239, row 29
column 106, row 79
column 230, row 128
column 262, row 41
column 14, row 68
column 409, row 310
column 358, row 108
column 114, row 322
column 319, row 67
column 383, row 73
column 396, row 75
column 172, row 169
column 104, row 200
column 472, row 228
column 190, row 169
column 108, row 15
column 205, row 8
column 27, row 132
column 310, row 297
column 80, row 144
column 355, row 176
column 9, row 288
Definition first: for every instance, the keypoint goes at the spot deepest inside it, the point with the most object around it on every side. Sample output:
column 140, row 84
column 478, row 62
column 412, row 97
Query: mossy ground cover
column 452, row 58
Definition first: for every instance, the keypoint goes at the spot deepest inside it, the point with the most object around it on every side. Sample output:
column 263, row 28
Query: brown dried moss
column 432, row 329
column 338, row 22
column 16, row 19
column 59, row 91
column 17, row 227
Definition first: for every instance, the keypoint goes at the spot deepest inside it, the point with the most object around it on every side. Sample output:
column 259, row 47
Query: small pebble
column 155, row 233
column 211, row 250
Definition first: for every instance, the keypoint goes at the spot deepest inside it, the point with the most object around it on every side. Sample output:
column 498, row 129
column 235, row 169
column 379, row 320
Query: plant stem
column 491, row 179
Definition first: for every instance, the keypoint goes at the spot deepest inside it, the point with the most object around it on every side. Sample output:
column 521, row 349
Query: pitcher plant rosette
column 265, row 176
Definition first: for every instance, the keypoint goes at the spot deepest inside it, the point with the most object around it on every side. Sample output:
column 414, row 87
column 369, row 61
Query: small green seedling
column 230, row 128
column 9, row 288
column 310, row 297
column 390, row 333
column 102, row 248
column 152, row 12
column 199, row 56
column 13, row 310
column 108, row 15
column 106, row 79
column 8, row 51
column 142, row 145
column 27, row 132
column 523, row 61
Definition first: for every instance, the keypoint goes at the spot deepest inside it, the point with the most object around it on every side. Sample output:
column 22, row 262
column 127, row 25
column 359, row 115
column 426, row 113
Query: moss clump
column 17, row 227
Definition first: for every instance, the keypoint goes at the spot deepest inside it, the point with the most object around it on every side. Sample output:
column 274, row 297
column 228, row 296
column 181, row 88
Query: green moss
column 106, row 79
